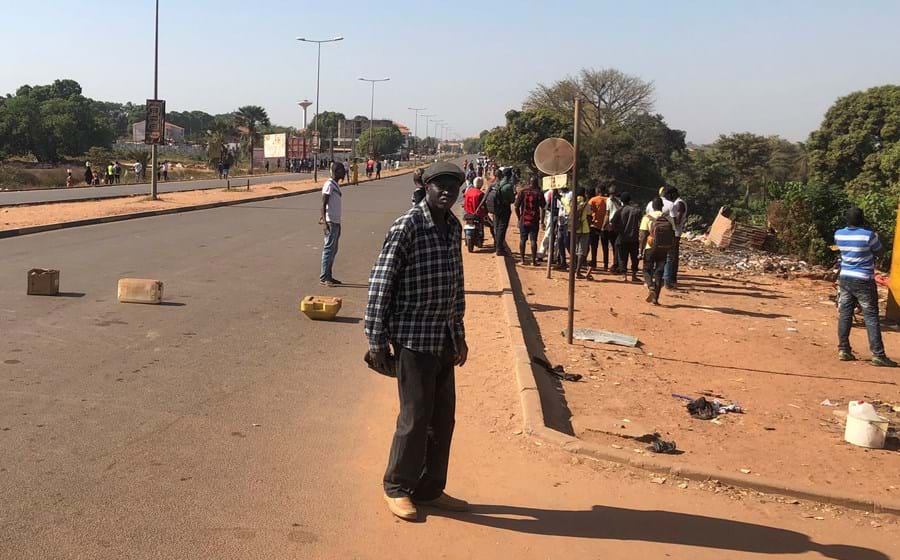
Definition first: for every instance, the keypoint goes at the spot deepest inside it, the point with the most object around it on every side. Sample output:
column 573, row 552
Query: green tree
column 50, row 121
column 328, row 125
column 858, row 147
column 748, row 156
column 610, row 97
column 384, row 141
column 475, row 144
column 251, row 117
column 515, row 142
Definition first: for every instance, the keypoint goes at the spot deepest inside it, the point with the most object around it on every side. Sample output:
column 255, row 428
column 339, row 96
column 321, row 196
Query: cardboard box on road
column 43, row 282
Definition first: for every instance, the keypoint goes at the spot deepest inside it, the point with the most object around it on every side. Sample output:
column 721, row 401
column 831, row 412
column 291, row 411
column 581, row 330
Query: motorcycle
column 474, row 230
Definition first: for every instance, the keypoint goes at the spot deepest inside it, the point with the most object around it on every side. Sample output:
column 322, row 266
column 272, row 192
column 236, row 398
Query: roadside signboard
column 555, row 181
column 554, row 156
column 155, row 122
column 275, row 145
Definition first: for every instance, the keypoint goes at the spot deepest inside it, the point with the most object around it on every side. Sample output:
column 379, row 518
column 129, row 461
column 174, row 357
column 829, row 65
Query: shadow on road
column 729, row 311
column 666, row 527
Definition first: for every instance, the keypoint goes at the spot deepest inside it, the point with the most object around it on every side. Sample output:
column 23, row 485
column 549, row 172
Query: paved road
column 172, row 429
column 9, row 198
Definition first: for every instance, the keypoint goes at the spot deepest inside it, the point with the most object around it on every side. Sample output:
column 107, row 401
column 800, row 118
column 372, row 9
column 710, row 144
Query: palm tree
column 251, row 116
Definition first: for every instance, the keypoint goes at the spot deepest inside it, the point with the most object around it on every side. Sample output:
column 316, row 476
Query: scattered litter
column 790, row 320
column 658, row 480
column 614, row 446
column 683, row 485
column 745, row 471
column 792, row 329
column 604, row 337
column 558, row 372
column 704, row 409
column 827, row 402
column 665, row 447
column 256, row 425
column 794, row 405
column 517, row 433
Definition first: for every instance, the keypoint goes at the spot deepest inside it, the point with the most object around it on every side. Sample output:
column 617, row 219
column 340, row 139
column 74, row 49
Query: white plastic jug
column 864, row 426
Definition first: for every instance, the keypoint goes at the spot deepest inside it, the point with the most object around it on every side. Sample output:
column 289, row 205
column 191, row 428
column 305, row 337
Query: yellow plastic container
column 320, row 308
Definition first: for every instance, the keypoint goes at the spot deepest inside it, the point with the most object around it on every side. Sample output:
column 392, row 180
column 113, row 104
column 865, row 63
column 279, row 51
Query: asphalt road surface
column 10, row 198
column 166, row 431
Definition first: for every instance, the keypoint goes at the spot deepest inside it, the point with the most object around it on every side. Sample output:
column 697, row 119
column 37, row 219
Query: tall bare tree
column 609, row 97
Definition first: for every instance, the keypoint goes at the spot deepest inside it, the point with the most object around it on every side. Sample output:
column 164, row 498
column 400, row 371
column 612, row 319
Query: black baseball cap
column 443, row 168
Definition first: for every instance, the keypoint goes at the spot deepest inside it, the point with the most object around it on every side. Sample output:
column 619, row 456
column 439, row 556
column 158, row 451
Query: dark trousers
column 608, row 240
column 865, row 293
column 501, row 224
column 654, row 262
column 594, row 241
column 627, row 248
column 420, row 451
column 671, row 272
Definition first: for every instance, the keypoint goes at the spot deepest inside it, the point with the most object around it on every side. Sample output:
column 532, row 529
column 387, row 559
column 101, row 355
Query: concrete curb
column 151, row 213
column 533, row 425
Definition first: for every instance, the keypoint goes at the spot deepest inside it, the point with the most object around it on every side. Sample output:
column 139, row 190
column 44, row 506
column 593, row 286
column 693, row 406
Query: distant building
column 174, row 133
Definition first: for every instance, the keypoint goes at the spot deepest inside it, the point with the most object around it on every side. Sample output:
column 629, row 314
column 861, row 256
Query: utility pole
column 154, row 154
column 416, row 127
column 575, row 223
column 372, row 110
column 318, row 75
column 426, row 128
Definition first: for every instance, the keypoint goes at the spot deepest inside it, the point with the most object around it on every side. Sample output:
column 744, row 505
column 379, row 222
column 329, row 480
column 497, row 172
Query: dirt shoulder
column 765, row 343
column 16, row 217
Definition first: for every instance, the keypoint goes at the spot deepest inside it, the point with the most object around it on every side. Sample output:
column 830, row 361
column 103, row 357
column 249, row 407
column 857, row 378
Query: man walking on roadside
column 597, row 203
column 678, row 211
column 378, row 169
column 626, row 223
column 138, row 171
column 330, row 218
column 416, row 304
column 859, row 246
column 530, row 212
column 657, row 235
column 117, row 172
column 608, row 235
column 506, row 195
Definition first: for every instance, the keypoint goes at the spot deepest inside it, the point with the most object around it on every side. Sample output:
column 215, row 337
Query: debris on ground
column 726, row 232
column 558, row 372
column 604, row 337
column 704, row 409
column 700, row 254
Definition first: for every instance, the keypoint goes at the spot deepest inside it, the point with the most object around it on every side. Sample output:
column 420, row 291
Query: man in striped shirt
column 859, row 247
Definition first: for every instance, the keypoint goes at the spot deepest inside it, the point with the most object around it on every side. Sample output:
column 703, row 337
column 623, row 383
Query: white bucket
column 864, row 426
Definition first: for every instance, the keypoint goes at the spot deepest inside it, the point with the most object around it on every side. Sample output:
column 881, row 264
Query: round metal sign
column 554, row 156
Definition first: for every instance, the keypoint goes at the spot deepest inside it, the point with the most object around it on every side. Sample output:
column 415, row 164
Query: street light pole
column 318, row 74
column 372, row 110
column 416, row 127
column 426, row 128
column 154, row 154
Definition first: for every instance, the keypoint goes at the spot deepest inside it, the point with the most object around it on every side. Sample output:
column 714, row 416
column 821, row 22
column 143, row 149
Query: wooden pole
column 575, row 223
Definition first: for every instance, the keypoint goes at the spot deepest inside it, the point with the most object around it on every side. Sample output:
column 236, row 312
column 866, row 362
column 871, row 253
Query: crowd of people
column 115, row 173
column 606, row 221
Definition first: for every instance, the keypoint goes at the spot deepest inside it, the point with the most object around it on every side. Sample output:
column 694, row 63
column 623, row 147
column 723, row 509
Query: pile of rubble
column 698, row 252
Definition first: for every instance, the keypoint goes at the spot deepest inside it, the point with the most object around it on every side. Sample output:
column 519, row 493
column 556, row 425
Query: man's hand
column 381, row 360
column 462, row 352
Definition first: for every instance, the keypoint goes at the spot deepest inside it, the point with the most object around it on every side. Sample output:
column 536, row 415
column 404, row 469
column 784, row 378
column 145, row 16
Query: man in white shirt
column 678, row 211
column 331, row 219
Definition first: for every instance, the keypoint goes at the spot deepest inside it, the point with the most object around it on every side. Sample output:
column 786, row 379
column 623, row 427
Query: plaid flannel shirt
column 416, row 288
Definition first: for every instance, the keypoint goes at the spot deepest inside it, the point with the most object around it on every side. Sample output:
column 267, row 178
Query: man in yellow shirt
column 657, row 237
column 582, row 227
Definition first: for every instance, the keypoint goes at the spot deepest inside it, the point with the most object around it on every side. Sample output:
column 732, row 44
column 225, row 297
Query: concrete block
column 140, row 290
column 43, row 282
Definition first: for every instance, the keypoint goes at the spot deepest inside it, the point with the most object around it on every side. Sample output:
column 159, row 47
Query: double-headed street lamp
column 318, row 69
column 416, row 127
column 372, row 81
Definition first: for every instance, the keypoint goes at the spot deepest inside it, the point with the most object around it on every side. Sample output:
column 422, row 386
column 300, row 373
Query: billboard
column 275, row 145
column 155, row 122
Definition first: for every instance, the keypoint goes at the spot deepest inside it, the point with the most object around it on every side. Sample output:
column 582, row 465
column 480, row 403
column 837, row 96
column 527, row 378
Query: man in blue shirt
column 859, row 247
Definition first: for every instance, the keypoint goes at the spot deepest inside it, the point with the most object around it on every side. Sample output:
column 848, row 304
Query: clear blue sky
column 719, row 66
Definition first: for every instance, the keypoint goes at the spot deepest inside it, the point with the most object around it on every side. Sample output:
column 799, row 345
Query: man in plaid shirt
column 416, row 304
